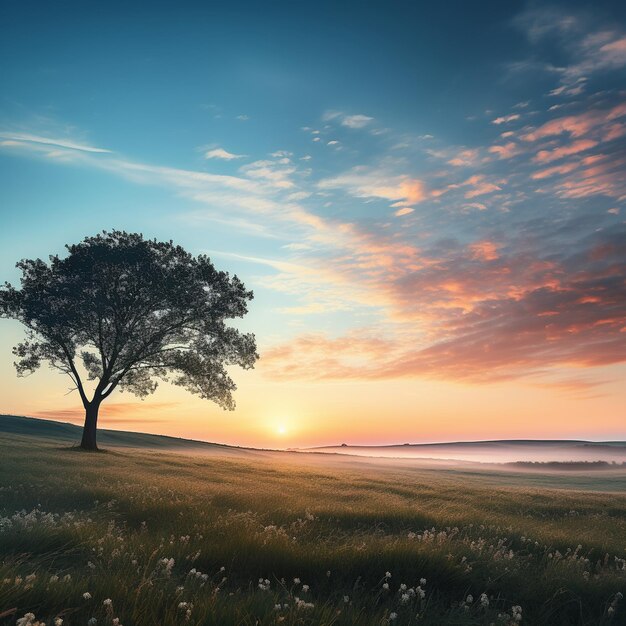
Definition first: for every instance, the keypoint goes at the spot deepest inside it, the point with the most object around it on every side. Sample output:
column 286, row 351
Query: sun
column 281, row 430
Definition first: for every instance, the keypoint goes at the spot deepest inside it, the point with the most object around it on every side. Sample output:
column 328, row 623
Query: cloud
column 465, row 158
column 479, row 186
column 54, row 142
column 404, row 211
column 499, row 314
column 587, row 46
column 349, row 121
column 356, row 121
column 545, row 156
column 365, row 182
column 505, row 151
column 220, row 153
column 506, row 119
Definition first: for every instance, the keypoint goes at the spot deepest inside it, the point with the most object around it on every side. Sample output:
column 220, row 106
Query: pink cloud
column 479, row 186
column 506, row 119
column 545, row 156
column 484, row 316
column 465, row 158
column 506, row 151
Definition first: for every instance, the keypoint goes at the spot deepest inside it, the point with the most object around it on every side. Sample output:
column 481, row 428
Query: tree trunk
column 89, row 430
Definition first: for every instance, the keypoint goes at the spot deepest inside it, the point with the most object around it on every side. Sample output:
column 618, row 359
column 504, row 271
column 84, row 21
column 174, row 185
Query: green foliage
column 131, row 310
column 114, row 522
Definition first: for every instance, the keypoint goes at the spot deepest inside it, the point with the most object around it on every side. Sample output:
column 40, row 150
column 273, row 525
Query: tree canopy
column 125, row 311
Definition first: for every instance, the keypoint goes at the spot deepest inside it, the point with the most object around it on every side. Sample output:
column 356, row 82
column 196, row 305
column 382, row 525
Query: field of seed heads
column 130, row 538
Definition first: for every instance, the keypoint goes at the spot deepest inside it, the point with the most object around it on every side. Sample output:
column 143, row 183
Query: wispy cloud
column 51, row 142
column 349, row 121
column 220, row 153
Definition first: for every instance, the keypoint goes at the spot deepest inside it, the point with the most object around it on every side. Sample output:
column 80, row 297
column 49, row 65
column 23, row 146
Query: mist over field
column 495, row 451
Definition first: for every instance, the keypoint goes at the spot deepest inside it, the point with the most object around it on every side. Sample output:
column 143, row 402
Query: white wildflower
column 86, row 596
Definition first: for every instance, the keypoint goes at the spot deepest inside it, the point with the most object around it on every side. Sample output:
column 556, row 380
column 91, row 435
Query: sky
column 428, row 200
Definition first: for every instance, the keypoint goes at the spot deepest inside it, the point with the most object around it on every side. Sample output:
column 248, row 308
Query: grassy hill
column 292, row 539
column 71, row 434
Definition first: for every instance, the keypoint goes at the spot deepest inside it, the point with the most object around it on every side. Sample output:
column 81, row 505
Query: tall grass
column 189, row 540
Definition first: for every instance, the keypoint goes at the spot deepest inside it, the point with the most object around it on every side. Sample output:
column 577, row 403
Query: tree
column 121, row 311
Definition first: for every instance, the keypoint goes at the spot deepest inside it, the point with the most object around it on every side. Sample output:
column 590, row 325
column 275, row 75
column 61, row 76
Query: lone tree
column 124, row 310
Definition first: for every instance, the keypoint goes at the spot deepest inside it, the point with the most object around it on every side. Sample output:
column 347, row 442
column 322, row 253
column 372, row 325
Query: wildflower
column 92, row 622
column 393, row 616
column 386, row 586
column 346, row 599
column 422, row 581
column 108, row 602
column 116, row 621
column 484, row 600
column 387, row 574
column 54, row 579
column 301, row 604
column 27, row 620
column 277, row 607
column 86, row 596
column 58, row 621
column 305, row 588
column 404, row 599
column 469, row 599
column 296, row 581
column 402, row 587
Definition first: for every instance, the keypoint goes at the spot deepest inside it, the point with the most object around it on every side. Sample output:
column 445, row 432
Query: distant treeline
column 572, row 465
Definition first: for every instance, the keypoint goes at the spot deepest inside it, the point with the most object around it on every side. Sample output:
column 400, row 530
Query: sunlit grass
column 200, row 540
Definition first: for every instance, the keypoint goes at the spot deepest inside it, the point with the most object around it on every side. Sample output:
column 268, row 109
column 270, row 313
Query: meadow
column 142, row 537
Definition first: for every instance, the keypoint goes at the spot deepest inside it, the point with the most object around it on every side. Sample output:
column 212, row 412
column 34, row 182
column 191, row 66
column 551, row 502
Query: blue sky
column 415, row 191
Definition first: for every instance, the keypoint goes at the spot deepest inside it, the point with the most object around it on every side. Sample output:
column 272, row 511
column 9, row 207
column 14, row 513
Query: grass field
column 141, row 538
